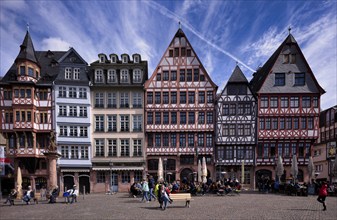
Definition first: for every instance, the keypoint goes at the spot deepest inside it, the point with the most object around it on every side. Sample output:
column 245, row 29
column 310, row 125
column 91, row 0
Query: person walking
column 145, row 189
column 151, row 186
column 322, row 194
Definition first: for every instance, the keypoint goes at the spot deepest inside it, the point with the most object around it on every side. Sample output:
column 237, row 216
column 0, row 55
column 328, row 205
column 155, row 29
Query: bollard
column 83, row 191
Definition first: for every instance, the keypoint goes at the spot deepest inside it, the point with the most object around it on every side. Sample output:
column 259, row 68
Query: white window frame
column 67, row 73
column 124, row 76
column 76, row 74
column 137, row 76
column 112, row 76
column 99, row 77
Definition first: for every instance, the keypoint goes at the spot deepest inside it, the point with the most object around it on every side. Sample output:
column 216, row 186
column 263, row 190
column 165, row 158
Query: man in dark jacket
column 151, row 187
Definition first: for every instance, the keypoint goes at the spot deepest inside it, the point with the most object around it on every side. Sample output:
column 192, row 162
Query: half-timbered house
column 288, row 110
column 179, row 113
column 236, row 130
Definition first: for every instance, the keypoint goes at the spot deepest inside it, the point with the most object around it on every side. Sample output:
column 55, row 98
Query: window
column 190, row 140
column 63, row 131
column 300, row 149
column 232, row 130
column 149, row 98
column 310, row 123
column 158, row 118
column 83, row 111
column 83, row 131
column 112, row 123
column 306, row 102
column 76, row 73
column 247, row 130
column 22, row 70
column 99, row 78
column 125, row 148
column 165, row 118
column 189, row 52
column 248, row 108
column 209, row 117
column 282, row 123
column 173, row 118
column 67, row 73
column 137, row 100
column 157, row 140
column 225, row 109
column 112, row 99
column 296, row 123
column 232, row 109
column 183, row 51
column 170, row 53
column 137, row 148
column 173, row 97
column 113, row 59
column 182, row 75
column 136, row 59
column 189, row 75
column 124, row 100
column 201, row 118
column 165, row 75
column 30, row 72
column 150, row 118
column 125, row 177
column 173, row 75
column 240, row 152
column 182, row 97
column 294, row 148
column 201, row 141
column 165, row 140
column 191, row 97
column 124, row 76
column 64, row 152
column 165, row 97
column 265, row 150
column 137, row 122
column 288, row 123
column 264, row 102
column 209, row 97
column 268, row 123
column 196, row 75
column 112, row 147
column 72, row 92
column 229, row 153
column 201, row 97
column 274, row 123
column 173, row 140
column 182, row 118
column 99, row 123
column 99, row 100
column 73, row 111
column 82, row 93
column 294, row 102
column 112, row 76
column 272, row 150
column 124, row 59
column 182, row 140
column 284, row 102
column 240, row 130
column 124, row 120
column 315, row 102
column 273, row 102
column 150, row 140
column 99, row 147
column 303, row 123
column 100, row 177
column 158, row 77
column 157, row 97
column 176, row 52
column 62, row 110
column 299, row 79
column 62, row 92
column 137, row 76
column 191, row 117
column 74, row 152
column 279, row 79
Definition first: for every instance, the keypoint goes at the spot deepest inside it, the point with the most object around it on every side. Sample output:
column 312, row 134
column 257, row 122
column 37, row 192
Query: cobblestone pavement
column 121, row 206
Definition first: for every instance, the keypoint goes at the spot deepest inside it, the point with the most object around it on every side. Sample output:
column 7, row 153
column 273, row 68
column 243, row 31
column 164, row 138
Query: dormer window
column 67, row 73
column 99, row 76
column 76, row 73
column 124, row 76
column 137, row 77
column 124, row 59
column 101, row 58
column 113, row 59
column 112, row 76
column 136, row 59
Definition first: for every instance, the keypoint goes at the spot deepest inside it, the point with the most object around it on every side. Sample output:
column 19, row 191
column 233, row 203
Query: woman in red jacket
column 323, row 194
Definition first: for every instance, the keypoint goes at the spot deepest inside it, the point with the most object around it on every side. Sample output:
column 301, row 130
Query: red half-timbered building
column 288, row 111
column 179, row 113
column 26, row 113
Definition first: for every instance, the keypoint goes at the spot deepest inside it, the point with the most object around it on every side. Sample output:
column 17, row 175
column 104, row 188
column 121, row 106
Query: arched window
column 124, row 76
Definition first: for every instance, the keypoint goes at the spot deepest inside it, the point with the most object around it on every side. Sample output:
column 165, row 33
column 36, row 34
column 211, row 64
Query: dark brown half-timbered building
column 288, row 110
column 26, row 112
column 236, row 130
column 179, row 113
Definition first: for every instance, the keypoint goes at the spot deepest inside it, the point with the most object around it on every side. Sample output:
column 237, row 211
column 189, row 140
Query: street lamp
column 165, row 162
column 111, row 186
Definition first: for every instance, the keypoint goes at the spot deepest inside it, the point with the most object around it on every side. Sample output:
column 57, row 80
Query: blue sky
column 221, row 32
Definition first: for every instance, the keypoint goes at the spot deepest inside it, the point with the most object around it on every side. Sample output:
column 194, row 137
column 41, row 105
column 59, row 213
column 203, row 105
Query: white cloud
column 55, row 44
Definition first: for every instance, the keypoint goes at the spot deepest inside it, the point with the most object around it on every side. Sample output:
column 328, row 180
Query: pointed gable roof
column 27, row 51
column 237, row 76
column 261, row 74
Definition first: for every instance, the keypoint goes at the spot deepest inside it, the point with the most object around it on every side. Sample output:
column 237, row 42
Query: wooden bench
column 183, row 197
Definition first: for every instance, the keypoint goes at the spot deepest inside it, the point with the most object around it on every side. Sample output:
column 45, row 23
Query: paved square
column 121, row 206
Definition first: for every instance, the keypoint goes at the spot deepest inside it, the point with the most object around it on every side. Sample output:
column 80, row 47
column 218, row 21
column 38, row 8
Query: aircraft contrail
column 170, row 14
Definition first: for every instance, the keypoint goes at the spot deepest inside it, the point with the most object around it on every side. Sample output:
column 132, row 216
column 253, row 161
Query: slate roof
column 237, row 76
column 261, row 74
column 27, row 51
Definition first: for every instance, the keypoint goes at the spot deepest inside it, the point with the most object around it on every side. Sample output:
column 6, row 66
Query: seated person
column 28, row 195
column 11, row 197
column 72, row 193
column 133, row 190
column 228, row 189
column 53, row 194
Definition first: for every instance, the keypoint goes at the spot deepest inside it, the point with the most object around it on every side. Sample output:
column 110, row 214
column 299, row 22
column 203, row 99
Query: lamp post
column 111, row 186
column 165, row 162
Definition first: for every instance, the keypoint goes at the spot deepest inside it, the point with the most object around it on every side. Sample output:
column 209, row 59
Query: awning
column 75, row 170
column 118, row 168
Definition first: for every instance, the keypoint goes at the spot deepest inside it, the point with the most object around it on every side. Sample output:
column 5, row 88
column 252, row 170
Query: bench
column 183, row 197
